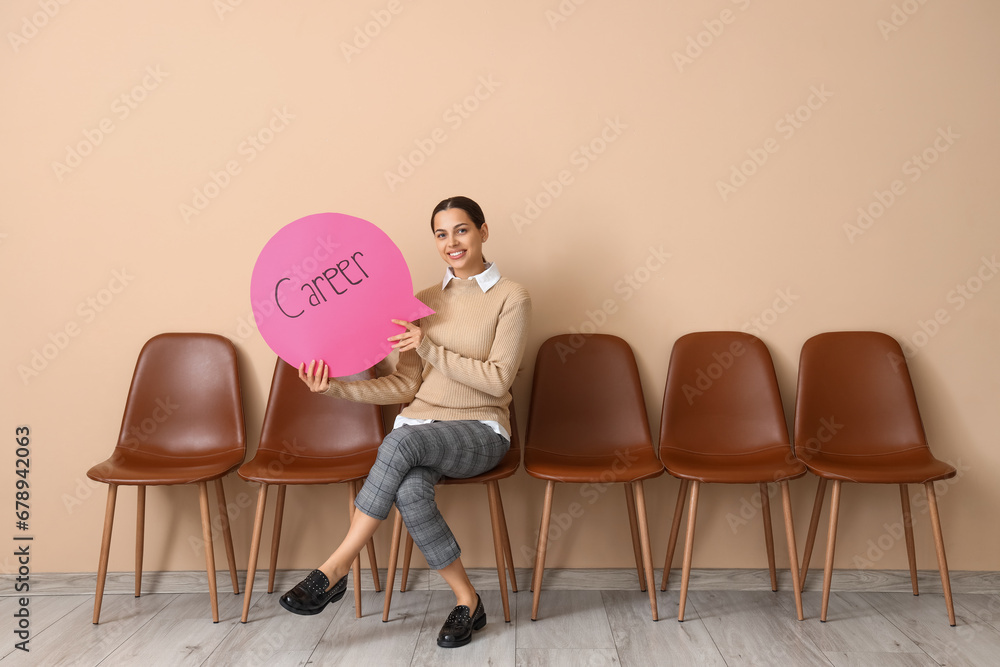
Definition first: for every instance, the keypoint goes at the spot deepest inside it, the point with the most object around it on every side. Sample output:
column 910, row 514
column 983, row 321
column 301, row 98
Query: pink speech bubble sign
column 326, row 286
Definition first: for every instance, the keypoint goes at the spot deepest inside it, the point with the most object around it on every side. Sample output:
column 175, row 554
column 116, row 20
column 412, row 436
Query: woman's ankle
column 468, row 599
column 333, row 573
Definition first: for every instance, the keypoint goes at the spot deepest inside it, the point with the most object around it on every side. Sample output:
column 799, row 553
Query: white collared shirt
column 487, row 279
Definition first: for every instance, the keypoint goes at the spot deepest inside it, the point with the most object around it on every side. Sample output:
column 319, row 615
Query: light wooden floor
column 575, row 627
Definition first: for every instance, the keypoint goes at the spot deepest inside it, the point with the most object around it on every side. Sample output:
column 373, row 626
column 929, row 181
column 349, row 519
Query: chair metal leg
column 102, row 567
column 279, row 514
column 688, row 547
column 543, row 535
column 811, row 535
column 508, row 557
column 227, row 534
column 675, row 528
column 498, row 547
column 830, row 547
column 911, row 555
column 206, row 532
column 407, row 555
column 765, row 510
column 647, row 556
column 140, row 524
column 636, row 550
column 939, row 545
column 352, row 494
column 390, row 577
column 793, row 556
column 258, row 528
column 373, row 564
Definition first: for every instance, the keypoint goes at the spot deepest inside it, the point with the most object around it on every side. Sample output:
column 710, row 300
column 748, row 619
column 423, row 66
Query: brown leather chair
column 856, row 420
column 309, row 438
column 723, row 423
column 588, row 424
column 501, row 539
column 183, row 424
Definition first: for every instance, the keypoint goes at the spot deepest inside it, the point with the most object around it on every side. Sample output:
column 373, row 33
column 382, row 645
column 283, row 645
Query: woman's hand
column 408, row 340
column 318, row 381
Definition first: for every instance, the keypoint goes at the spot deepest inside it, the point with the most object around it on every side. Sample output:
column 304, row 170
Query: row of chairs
column 722, row 422
column 184, row 424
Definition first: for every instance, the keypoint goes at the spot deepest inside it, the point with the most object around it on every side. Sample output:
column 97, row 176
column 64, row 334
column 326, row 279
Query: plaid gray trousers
column 411, row 460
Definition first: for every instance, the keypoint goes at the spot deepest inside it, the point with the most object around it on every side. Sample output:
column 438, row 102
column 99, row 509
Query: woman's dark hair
column 470, row 207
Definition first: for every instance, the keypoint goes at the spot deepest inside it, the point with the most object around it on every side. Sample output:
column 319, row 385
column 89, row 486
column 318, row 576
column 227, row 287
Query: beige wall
column 612, row 75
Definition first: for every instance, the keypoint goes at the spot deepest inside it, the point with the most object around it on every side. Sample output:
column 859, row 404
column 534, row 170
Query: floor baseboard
column 880, row 581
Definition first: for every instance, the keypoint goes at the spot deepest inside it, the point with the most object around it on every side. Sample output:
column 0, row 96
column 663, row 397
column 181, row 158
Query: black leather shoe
column 310, row 595
column 457, row 630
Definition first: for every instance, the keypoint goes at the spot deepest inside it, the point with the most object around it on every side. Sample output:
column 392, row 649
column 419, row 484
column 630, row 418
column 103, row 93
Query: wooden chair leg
column 830, row 547
column 911, row 555
column 498, row 547
column 206, row 533
column 811, row 535
column 543, row 535
column 352, row 494
column 939, row 545
column 765, row 510
column 279, row 513
column 688, row 547
column 508, row 556
column 140, row 524
column 258, row 528
column 675, row 528
column 647, row 556
column 793, row 556
column 390, row 577
column 407, row 555
column 227, row 534
column 534, row 570
column 102, row 567
column 636, row 550
column 373, row 565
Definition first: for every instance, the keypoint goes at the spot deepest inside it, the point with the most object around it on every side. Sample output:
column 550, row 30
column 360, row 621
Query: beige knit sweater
column 466, row 361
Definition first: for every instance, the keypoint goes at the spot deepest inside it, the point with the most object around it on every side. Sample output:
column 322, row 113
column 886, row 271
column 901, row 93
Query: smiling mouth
column 457, row 254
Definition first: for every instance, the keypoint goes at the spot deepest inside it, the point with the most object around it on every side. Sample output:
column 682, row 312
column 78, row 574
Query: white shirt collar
column 486, row 279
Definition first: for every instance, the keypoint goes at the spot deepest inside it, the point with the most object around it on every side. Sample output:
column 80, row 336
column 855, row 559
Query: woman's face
column 459, row 242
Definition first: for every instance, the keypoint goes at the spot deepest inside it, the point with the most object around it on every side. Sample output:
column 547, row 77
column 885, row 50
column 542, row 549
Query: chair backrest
column 185, row 398
column 586, row 397
column 721, row 396
column 303, row 423
column 855, row 397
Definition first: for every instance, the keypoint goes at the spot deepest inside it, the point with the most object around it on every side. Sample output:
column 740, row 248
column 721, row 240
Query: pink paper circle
column 326, row 286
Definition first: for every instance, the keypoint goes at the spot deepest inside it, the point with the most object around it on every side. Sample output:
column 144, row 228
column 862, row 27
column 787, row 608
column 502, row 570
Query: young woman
column 455, row 370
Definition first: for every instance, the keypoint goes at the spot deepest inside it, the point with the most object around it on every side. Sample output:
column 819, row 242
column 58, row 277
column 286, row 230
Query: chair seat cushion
column 624, row 465
column 770, row 464
column 130, row 467
column 269, row 466
column 910, row 466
